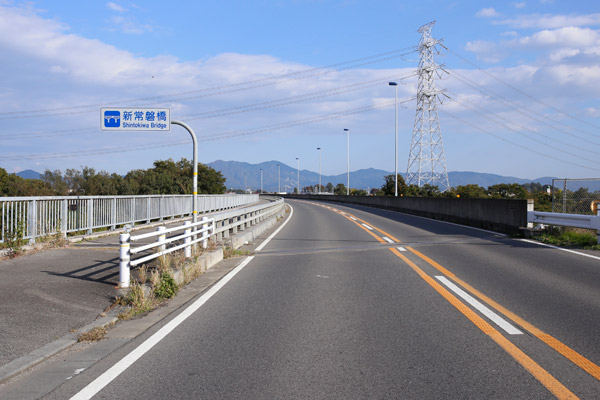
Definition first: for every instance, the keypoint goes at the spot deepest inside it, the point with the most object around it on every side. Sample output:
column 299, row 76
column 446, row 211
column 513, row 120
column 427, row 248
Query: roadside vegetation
column 567, row 237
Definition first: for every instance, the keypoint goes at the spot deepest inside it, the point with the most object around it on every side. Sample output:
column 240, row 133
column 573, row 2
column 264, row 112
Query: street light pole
column 318, row 148
column 261, row 187
column 395, row 84
column 278, row 179
column 195, row 176
column 245, row 186
column 298, row 188
column 348, row 161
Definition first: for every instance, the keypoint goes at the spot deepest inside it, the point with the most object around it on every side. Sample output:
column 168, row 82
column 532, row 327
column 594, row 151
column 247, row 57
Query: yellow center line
column 573, row 356
column 543, row 376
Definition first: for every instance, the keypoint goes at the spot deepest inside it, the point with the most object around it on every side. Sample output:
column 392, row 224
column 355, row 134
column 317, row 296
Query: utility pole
column 426, row 160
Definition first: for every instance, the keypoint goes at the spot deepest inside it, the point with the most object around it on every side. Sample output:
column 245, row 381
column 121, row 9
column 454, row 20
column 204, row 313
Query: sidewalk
column 49, row 297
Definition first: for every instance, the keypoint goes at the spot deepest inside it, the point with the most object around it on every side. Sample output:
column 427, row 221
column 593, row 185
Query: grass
column 229, row 252
column 94, row 335
column 571, row 238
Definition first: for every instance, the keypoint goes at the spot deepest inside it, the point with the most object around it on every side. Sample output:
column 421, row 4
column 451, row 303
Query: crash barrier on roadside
column 220, row 226
column 500, row 215
column 571, row 220
column 34, row 217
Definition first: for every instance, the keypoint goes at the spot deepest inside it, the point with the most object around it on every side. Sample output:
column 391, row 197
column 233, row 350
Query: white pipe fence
column 36, row 217
column 220, row 226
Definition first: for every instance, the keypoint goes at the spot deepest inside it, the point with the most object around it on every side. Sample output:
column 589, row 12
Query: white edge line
column 267, row 240
column 109, row 375
column 501, row 322
column 559, row 248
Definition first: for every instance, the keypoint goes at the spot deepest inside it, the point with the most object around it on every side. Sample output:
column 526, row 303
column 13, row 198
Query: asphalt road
column 350, row 303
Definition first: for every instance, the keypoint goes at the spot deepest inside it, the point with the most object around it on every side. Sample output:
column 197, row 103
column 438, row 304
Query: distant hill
column 29, row 174
column 234, row 172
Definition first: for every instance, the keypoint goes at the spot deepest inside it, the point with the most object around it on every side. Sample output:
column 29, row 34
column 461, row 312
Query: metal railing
column 570, row 220
column 36, row 217
column 574, row 196
column 220, row 226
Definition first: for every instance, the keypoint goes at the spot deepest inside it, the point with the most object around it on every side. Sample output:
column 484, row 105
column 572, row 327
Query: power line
column 516, row 144
column 522, row 92
column 518, row 108
column 217, row 90
column 224, row 135
column 527, row 136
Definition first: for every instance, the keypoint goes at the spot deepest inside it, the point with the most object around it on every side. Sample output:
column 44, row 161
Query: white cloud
column 549, row 21
column 519, row 4
column 487, row 13
column 115, row 7
column 485, row 50
column 128, row 25
column 568, row 36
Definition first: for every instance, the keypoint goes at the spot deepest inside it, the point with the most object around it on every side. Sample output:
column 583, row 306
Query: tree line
column 165, row 177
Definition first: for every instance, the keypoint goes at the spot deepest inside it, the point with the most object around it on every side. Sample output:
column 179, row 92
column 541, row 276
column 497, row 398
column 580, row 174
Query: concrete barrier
column 501, row 215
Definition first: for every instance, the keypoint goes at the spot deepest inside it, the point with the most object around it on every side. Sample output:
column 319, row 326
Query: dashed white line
column 498, row 320
column 353, row 219
column 401, row 248
column 368, row 227
column 387, row 239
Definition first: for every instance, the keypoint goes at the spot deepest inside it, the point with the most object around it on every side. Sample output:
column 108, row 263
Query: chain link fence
column 574, row 196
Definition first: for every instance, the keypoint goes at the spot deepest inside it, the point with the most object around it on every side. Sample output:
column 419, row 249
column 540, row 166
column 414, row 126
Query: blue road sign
column 135, row 119
column 112, row 119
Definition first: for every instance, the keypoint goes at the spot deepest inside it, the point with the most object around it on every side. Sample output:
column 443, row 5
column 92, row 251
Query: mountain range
column 236, row 172
column 240, row 174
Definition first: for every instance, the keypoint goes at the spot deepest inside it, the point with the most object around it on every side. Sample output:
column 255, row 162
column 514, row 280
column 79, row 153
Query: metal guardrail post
column 124, row 259
column 161, row 239
column 188, row 249
column 204, row 232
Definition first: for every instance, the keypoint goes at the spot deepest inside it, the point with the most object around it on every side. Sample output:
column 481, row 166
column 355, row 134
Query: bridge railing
column 34, row 217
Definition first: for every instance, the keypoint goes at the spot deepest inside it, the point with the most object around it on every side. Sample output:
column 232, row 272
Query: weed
column 167, row 287
column 93, row 335
column 13, row 239
column 137, row 301
column 576, row 238
column 143, row 274
column 229, row 252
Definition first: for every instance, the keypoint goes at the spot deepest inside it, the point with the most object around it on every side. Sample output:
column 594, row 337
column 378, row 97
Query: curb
column 206, row 261
column 37, row 356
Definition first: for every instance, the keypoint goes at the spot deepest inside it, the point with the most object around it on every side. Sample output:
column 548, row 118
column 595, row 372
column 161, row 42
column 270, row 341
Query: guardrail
column 571, row 220
column 221, row 226
column 35, row 217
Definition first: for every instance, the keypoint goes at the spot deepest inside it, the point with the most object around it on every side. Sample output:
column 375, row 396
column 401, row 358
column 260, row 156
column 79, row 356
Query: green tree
column 471, row 192
column 507, row 191
column 329, row 187
column 389, row 187
column 340, row 189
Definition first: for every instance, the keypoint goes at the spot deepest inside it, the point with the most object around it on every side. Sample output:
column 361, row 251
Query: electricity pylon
column 426, row 160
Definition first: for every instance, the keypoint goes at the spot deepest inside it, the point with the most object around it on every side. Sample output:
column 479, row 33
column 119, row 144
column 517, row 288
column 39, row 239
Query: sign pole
column 195, row 187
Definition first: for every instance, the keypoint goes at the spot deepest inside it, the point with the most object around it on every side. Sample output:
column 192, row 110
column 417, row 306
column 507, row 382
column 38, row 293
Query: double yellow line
column 543, row 376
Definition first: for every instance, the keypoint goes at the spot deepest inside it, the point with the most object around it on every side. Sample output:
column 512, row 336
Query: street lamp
column 395, row 84
column 348, row 161
column 318, row 148
column 261, row 190
column 298, row 188
column 279, row 179
column 245, row 186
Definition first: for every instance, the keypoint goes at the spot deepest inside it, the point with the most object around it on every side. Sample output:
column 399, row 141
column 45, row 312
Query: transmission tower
column 426, row 160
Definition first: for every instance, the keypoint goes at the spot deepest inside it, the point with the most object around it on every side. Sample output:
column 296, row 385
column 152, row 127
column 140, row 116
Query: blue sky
column 274, row 80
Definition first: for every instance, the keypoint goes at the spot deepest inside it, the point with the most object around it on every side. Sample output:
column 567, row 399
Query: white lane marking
column 77, row 372
column 387, row 239
column 401, row 248
column 367, row 226
column 498, row 320
column 103, row 380
column 267, row 240
column 560, row 248
column 353, row 219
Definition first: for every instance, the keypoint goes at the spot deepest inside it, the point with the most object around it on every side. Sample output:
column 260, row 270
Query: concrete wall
column 499, row 215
